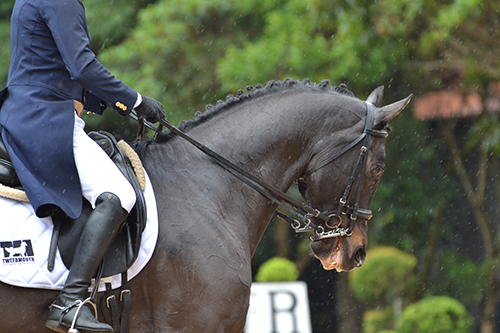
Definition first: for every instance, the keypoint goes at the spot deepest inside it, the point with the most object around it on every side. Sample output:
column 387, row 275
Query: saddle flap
column 124, row 249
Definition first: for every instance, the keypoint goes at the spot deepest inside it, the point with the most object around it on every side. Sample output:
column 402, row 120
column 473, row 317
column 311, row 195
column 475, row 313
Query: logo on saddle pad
column 17, row 252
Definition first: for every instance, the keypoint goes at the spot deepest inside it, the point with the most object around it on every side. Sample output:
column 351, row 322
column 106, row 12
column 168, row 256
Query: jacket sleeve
column 68, row 25
column 93, row 103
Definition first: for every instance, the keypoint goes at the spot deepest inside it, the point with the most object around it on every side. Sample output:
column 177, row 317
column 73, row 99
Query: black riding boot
column 67, row 313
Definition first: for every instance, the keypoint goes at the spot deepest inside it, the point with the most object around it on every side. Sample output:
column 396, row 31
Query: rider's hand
column 151, row 109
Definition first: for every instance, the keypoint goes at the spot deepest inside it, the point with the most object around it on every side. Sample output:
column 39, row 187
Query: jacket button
column 121, row 106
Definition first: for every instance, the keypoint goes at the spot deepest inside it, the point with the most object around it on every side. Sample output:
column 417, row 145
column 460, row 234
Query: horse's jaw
column 334, row 258
column 329, row 253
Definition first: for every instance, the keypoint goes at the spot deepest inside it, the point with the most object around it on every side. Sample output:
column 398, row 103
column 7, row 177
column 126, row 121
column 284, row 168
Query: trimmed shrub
column 376, row 320
column 437, row 314
column 277, row 270
column 387, row 272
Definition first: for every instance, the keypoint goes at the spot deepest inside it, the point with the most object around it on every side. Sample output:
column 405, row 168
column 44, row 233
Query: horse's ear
column 376, row 97
column 385, row 114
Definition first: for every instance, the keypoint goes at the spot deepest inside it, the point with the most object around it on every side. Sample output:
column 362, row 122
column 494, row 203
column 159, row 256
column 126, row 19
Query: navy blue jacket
column 51, row 65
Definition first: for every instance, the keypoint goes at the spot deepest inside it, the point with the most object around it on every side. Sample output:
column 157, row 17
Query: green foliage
column 415, row 173
column 447, row 18
column 4, row 52
column 6, row 9
column 111, row 21
column 172, row 53
column 277, row 270
column 386, row 273
column 374, row 321
column 486, row 133
column 315, row 39
column 459, row 277
column 196, row 52
column 438, row 314
column 5, row 12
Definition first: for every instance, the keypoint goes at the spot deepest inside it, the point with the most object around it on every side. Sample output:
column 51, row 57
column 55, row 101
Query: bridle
column 300, row 210
column 349, row 202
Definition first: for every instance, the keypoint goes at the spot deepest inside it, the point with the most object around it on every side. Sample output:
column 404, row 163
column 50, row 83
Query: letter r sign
column 280, row 307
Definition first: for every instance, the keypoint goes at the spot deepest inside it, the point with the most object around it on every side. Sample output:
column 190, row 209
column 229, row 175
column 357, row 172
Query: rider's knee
column 126, row 197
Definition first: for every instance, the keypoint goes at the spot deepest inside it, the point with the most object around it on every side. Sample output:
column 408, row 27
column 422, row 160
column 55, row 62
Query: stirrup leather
column 78, row 304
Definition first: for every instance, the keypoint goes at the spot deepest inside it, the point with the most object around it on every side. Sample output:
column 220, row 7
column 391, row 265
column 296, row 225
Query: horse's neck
column 272, row 139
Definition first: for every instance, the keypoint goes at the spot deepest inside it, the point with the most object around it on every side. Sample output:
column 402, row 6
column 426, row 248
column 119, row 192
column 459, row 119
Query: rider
column 53, row 76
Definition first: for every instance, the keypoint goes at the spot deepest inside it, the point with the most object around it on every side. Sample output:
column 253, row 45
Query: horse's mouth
column 329, row 253
column 333, row 261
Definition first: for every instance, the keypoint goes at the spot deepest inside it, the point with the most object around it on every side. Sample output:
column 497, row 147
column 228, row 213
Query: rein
column 285, row 201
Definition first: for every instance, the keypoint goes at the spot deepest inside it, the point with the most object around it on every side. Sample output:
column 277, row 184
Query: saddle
column 125, row 247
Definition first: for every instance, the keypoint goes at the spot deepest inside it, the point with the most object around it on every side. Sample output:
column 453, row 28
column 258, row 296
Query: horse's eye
column 378, row 170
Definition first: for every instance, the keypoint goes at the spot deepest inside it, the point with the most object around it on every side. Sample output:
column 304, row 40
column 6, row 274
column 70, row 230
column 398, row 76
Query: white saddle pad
column 25, row 241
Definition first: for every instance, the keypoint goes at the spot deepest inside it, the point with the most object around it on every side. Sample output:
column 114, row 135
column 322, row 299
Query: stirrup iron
column 78, row 304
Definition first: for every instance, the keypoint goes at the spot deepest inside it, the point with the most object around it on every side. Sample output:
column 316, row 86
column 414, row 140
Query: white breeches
column 97, row 172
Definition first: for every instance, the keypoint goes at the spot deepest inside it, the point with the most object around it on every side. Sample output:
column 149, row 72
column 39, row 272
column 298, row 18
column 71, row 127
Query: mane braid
column 241, row 97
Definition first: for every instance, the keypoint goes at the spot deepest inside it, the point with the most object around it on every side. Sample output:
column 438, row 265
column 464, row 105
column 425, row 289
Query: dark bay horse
column 199, row 277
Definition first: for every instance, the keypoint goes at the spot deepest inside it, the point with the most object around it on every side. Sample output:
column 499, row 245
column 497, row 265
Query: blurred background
column 433, row 242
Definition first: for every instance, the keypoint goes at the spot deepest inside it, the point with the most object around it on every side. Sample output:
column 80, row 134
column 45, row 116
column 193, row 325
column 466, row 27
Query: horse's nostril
column 359, row 257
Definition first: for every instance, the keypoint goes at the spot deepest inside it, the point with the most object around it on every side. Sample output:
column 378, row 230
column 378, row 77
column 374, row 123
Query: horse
column 211, row 222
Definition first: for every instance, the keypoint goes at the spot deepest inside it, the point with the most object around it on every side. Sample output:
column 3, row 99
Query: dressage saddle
column 125, row 247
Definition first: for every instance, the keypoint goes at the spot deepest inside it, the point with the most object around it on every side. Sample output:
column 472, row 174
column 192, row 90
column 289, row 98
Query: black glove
column 151, row 109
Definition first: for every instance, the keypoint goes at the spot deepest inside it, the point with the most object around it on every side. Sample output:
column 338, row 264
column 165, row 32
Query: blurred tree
column 385, row 277
column 194, row 52
column 111, row 21
column 277, row 269
column 438, row 314
column 384, row 281
column 375, row 321
column 5, row 11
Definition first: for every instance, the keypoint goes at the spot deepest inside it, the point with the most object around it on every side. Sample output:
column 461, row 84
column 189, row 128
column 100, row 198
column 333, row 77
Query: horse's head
column 343, row 184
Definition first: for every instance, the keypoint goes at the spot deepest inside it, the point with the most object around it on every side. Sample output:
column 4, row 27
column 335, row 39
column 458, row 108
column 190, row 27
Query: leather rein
column 304, row 214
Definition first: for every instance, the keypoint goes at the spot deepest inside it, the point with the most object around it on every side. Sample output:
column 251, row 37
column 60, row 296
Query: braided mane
column 271, row 87
column 231, row 100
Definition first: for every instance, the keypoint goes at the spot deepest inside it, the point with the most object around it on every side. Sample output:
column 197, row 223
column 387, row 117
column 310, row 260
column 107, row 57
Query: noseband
column 349, row 203
column 292, row 205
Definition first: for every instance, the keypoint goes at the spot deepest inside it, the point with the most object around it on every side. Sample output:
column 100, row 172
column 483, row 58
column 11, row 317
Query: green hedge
column 437, row 314
column 277, row 270
column 376, row 321
column 387, row 272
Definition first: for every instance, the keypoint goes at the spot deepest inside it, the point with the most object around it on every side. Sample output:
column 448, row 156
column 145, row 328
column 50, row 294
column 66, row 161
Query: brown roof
column 445, row 104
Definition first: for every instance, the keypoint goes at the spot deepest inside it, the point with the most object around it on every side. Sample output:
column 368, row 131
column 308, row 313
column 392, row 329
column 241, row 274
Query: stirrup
column 78, row 304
